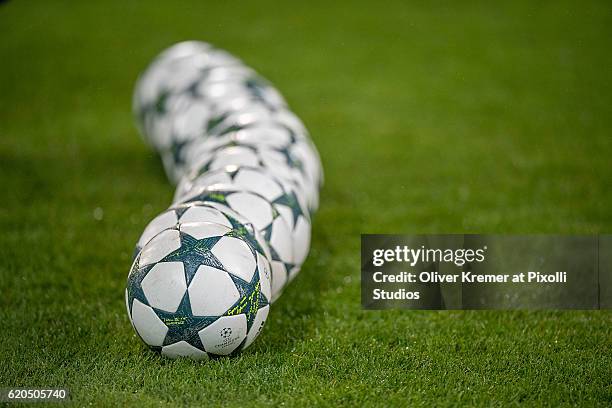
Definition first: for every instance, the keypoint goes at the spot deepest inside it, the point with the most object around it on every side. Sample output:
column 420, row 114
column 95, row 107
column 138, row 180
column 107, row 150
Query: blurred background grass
column 429, row 116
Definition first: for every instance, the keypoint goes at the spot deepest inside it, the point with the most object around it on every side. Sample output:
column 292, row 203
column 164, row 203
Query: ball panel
column 204, row 214
column 258, row 324
column 164, row 285
column 268, row 134
column 148, row 326
column 233, row 155
column 191, row 122
column 280, row 239
column 219, row 90
column 201, row 230
column 301, row 240
column 247, row 116
column 212, row 292
column 279, row 278
column 163, row 221
column 159, row 246
column 286, row 213
column 236, row 257
column 183, row 349
column 236, row 73
column 291, row 121
column 256, row 180
column 265, row 275
column 209, row 179
column 252, row 207
column 224, row 335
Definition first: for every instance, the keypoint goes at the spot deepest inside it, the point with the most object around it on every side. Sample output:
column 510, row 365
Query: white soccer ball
column 179, row 67
column 196, row 290
column 204, row 212
column 282, row 194
column 266, row 218
column 291, row 157
column 173, row 74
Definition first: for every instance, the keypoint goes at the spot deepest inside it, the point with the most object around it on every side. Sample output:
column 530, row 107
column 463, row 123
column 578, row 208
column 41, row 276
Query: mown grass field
column 430, row 117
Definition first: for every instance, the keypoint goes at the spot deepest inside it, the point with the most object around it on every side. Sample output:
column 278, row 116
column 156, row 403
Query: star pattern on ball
column 291, row 160
column 232, row 172
column 179, row 210
column 177, row 151
column 159, row 106
column 215, row 125
column 256, row 88
column 134, row 286
column 292, row 136
column 200, row 170
column 244, row 232
column 214, row 122
column 192, row 89
column 251, row 298
column 194, row 253
column 275, row 257
column 231, row 128
column 183, row 325
column 290, row 200
column 215, row 196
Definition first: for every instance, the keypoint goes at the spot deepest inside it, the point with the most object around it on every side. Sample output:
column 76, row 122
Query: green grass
column 430, row 117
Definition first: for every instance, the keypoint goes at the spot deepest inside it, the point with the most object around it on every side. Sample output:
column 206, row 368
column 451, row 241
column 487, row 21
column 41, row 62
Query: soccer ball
column 291, row 157
column 178, row 68
column 204, row 212
column 267, row 220
column 175, row 73
column 241, row 155
column 190, row 118
column 206, row 270
column 282, row 194
column 197, row 290
column 178, row 118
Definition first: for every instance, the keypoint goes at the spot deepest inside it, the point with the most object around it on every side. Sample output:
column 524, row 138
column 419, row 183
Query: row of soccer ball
column 206, row 270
